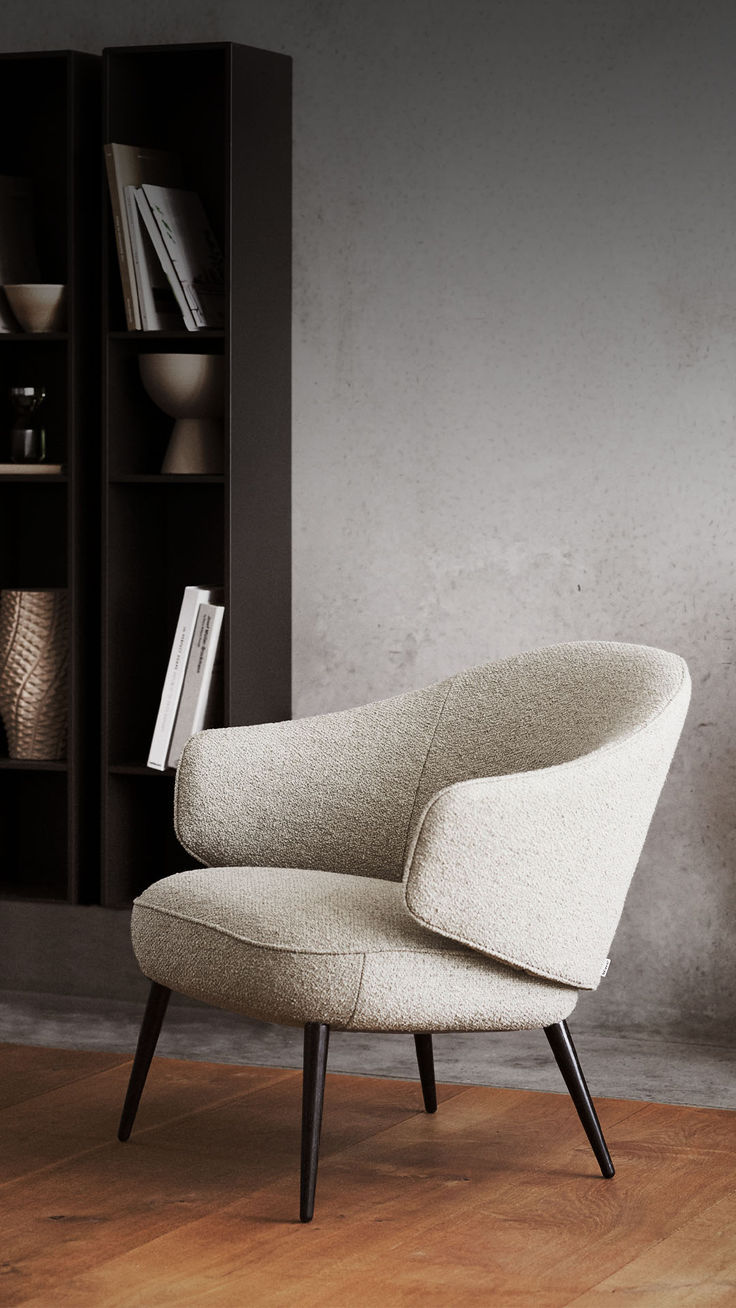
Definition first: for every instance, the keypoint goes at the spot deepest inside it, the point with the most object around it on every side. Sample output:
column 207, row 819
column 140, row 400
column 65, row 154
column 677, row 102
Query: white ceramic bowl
column 38, row 306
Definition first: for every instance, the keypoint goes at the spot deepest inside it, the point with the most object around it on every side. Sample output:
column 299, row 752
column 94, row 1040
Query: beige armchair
column 452, row 859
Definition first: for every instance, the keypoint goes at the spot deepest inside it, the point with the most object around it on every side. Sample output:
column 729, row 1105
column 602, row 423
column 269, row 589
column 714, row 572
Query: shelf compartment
column 33, row 832
column 33, row 534
column 170, row 537
column 146, row 849
column 44, row 365
column 36, row 146
column 138, row 430
column 174, row 99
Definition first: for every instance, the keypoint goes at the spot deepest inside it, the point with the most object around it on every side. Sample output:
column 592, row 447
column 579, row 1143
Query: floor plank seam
column 143, row 1130
column 654, row 1244
column 61, row 1085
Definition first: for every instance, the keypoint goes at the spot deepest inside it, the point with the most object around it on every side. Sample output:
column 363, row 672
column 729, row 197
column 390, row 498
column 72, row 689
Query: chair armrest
column 333, row 792
column 533, row 868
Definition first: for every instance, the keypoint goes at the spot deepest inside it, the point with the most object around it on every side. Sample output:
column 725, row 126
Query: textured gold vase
column 34, row 658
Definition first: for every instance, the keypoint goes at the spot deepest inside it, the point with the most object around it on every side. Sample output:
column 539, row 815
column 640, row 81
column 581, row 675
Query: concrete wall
column 515, row 372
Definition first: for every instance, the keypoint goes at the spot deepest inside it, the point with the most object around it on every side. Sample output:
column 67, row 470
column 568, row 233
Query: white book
column 156, row 302
column 174, row 679
column 164, row 259
column 129, row 165
column 193, row 250
column 199, row 689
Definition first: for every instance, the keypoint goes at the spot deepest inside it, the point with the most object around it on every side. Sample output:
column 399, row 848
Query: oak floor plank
column 494, row 1232
column 692, row 1268
column 369, row 1195
column 496, row 1199
column 672, row 1126
column 27, row 1071
column 68, row 1219
column 84, row 1114
column 402, row 1225
column 552, row 1238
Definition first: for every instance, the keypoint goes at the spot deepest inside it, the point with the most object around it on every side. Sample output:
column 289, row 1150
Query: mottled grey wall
column 515, row 371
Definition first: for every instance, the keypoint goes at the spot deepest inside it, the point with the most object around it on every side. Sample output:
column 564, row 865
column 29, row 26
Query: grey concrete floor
column 658, row 1067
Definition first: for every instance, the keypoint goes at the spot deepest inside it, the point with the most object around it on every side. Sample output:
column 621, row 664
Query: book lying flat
column 198, row 702
column 193, row 250
column 174, row 679
column 130, row 165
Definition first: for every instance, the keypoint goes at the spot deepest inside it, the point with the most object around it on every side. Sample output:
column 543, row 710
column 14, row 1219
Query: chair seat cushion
column 293, row 946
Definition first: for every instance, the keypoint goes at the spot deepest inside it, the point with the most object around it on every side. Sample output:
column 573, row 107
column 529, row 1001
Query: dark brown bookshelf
column 172, row 478
column 31, row 338
column 33, row 764
column 9, row 478
column 226, row 109
column 204, row 333
column 50, row 133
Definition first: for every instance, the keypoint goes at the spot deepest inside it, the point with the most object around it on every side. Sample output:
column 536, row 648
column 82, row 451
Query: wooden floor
column 495, row 1200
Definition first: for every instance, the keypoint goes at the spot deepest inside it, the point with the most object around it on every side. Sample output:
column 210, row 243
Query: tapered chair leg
column 425, row 1059
column 316, row 1040
column 569, row 1064
column 153, row 1017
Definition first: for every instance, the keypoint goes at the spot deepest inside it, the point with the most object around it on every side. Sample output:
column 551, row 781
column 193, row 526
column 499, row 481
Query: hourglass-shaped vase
column 34, row 657
column 190, row 388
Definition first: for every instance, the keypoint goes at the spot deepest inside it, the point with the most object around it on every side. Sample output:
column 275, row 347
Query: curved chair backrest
column 546, row 707
column 343, row 792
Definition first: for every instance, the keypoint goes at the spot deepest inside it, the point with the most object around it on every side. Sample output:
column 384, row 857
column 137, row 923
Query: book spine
column 174, row 679
column 139, row 278
column 164, row 258
column 194, row 303
column 125, row 255
column 198, row 682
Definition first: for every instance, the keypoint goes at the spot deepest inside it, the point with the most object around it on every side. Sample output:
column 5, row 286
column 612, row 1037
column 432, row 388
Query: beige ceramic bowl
column 38, row 306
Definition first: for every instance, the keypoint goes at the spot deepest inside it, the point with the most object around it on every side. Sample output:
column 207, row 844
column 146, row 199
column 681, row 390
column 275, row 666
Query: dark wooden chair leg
column 316, row 1040
column 569, row 1064
column 425, row 1059
column 153, row 1017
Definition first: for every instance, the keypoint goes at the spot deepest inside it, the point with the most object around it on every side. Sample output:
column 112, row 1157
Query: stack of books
column 171, row 265
column 190, row 700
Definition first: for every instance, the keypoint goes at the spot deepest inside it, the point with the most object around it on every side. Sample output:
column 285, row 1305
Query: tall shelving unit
column 226, row 110
column 50, row 133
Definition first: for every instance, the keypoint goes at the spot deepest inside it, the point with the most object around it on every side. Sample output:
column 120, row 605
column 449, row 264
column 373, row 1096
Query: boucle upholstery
column 509, row 802
column 334, row 792
column 533, row 867
column 295, row 946
column 343, row 792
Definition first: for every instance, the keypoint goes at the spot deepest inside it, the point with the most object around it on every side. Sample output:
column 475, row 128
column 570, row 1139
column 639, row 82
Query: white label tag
column 605, row 967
